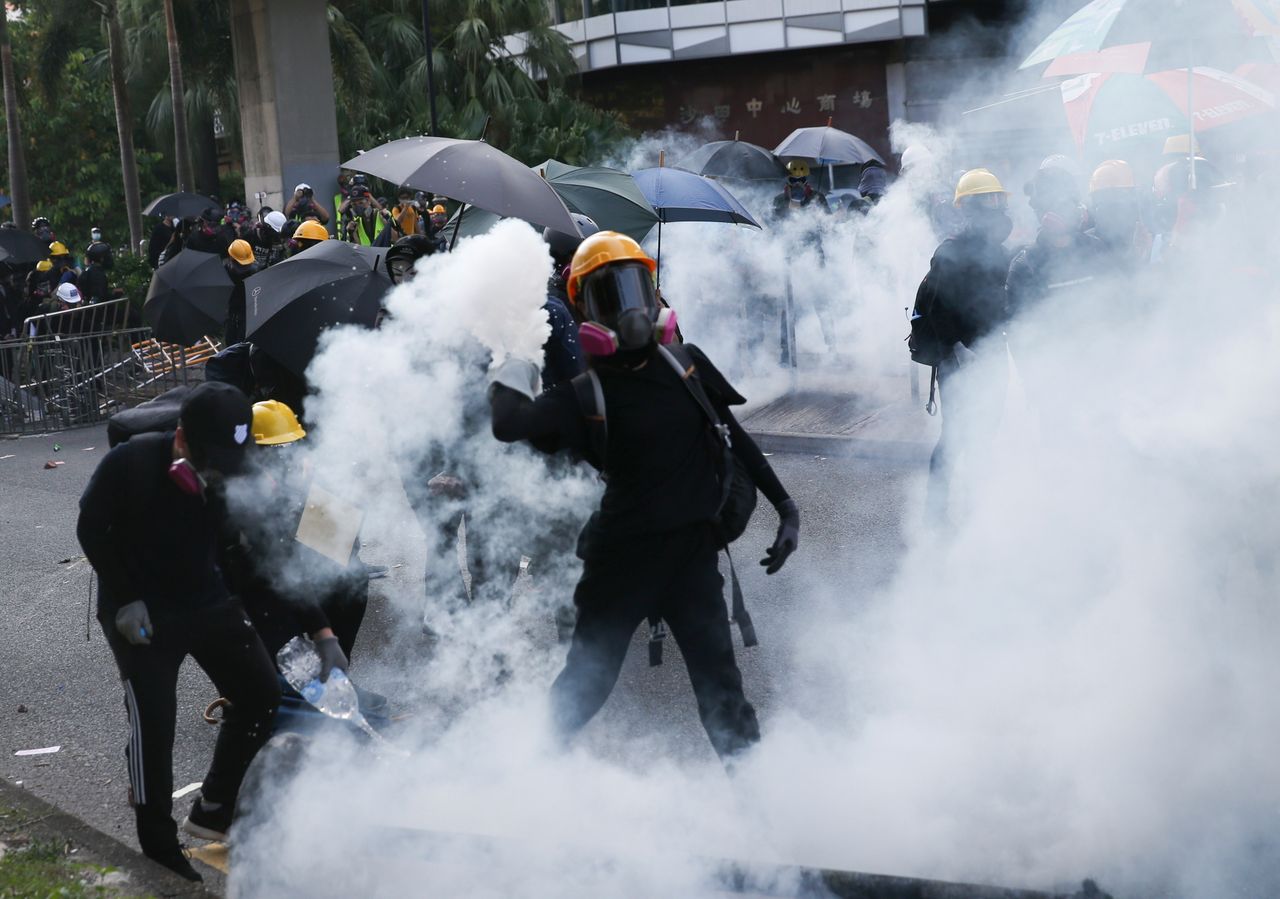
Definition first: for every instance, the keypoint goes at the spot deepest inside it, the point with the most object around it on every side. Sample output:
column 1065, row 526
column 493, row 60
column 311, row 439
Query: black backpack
column 923, row 342
column 737, row 489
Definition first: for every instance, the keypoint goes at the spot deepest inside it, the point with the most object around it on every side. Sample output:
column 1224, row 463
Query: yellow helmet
column 798, row 168
column 438, row 209
column 1181, row 145
column 241, row 252
column 44, row 265
column 58, row 248
column 274, row 424
column 311, row 230
column 1114, row 174
column 599, row 250
column 976, row 182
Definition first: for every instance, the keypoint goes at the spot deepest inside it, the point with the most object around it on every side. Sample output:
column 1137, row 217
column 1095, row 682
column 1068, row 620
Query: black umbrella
column 470, row 171
column 188, row 297
column 19, row 247
column 734, row 159
column 181, row 205
column 289, row 305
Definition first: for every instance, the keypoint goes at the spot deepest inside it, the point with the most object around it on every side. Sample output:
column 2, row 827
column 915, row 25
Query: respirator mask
column 621, row 309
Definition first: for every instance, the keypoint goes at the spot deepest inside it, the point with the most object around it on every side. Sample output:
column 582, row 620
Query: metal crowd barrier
column 54, row 382
column 92, row 318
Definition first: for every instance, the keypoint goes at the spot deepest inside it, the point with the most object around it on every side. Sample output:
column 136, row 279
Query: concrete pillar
column 288, row 125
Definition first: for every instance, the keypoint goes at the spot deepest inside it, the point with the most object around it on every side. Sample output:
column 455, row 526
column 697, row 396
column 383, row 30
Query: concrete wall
column 288, row 125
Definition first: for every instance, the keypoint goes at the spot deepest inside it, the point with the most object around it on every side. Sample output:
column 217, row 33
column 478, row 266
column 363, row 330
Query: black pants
column 674, row 575
column 227, row 648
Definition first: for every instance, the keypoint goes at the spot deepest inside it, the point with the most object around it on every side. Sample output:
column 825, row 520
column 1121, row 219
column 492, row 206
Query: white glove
column 519, row 375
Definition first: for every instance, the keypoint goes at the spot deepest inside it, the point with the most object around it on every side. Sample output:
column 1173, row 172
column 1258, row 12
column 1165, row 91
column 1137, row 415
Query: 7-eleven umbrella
column 1108, row 112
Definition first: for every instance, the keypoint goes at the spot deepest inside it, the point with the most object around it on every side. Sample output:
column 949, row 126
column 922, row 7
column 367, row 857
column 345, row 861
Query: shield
column 188, row 297
column 289, row 305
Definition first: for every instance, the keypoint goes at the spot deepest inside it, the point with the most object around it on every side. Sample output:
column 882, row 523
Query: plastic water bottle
column 336, row 697
column 300, row 664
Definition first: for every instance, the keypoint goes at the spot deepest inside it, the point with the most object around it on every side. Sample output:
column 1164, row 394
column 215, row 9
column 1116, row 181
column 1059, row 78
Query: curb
column 145, row 876
column 840, row 446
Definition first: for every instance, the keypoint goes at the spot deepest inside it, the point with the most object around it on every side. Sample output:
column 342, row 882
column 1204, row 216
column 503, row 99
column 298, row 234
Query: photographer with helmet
column 303, row 205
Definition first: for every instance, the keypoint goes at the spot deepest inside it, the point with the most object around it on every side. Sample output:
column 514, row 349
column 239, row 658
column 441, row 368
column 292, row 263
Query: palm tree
column 124, row 122
column 18, row 196
column 181, row 149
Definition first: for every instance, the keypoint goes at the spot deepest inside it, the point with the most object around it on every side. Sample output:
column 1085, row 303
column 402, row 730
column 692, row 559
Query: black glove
column 331, row 656
column 134, row 623
column 788, row 537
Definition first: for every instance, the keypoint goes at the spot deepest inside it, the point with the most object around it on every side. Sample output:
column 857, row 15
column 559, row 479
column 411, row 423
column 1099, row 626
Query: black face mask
column 992, row 225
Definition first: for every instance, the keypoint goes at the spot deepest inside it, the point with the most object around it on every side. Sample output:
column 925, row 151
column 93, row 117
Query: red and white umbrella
column 1109, row 109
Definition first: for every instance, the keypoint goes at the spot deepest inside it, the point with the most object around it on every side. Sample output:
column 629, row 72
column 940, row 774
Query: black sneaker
column 208, row 820
column 176, row 861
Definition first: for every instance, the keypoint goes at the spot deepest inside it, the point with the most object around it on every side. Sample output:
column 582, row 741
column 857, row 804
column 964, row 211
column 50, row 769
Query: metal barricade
column 91, row 318
column 56, row 382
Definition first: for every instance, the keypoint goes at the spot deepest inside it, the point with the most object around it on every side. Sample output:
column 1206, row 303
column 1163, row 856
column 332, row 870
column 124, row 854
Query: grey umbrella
column 470, row 171
column 826, row 146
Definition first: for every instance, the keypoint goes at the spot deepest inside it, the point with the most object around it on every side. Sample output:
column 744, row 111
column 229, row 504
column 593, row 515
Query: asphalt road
column 59, row 689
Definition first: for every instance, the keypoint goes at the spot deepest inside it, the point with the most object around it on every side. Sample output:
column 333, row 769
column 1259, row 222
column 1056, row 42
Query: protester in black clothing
column 240, row 265
column 93, row 280
column 267, row 239
column 160, row 237
column 287, row 588
column 149, row 524
column 963, row 305
column 651, row 549
column 207, row 235
column 1064, row 260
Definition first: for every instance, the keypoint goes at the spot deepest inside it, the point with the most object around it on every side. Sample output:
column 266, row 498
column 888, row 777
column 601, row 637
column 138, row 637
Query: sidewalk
column 73, row 855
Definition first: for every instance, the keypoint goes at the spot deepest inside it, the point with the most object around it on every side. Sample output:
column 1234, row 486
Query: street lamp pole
column 431, row 80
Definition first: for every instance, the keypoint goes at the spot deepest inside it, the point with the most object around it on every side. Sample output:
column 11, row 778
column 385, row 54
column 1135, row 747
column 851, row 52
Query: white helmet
column 916, row 156
column 275, row 219
column 68, row 293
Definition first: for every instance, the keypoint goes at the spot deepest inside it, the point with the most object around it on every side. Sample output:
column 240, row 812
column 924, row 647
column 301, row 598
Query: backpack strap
column 932, row 406
column 590, row 395
column 682, row 362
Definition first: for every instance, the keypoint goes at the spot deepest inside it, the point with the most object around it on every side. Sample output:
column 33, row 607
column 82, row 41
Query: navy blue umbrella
column 680, row 196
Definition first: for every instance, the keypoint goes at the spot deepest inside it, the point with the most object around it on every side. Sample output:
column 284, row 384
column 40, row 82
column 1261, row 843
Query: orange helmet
column 601, row 249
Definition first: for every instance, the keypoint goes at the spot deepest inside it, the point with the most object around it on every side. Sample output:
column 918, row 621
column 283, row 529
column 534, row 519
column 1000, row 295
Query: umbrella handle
column 462, row 210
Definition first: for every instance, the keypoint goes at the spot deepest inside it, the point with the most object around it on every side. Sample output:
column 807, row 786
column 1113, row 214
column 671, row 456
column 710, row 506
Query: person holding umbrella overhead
column 798, row 193
column 240, row 264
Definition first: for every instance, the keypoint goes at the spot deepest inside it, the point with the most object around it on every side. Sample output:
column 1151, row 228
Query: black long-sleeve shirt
column 146, row 538
column 662, row 463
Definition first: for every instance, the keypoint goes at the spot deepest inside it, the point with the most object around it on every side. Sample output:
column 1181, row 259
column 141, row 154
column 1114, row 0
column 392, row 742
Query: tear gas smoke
column 1078, row 677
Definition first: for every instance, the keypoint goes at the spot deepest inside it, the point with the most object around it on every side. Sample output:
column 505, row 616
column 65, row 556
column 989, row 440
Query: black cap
column 217, row 420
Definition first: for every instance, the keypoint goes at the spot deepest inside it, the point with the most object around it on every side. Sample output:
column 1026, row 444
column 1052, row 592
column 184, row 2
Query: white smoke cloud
column 1077, row 679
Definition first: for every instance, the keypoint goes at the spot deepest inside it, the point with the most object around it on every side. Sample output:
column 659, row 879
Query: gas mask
column 1060, row 216
column 187, row 478
column 989, row 222
column 1116, row 218
column 621, row 310
column 796, row 189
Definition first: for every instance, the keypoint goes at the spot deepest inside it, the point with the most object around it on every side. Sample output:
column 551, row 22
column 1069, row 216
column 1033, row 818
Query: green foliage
column 528, row 101
column 132, row 274
column 73, row 161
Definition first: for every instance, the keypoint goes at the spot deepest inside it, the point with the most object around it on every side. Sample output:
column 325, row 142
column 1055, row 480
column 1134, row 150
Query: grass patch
column 45, row 869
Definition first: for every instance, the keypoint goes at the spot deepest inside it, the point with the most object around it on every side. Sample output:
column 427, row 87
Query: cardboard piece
column 329, row 525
